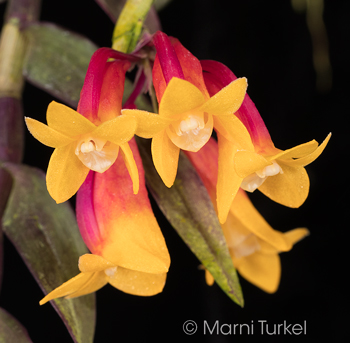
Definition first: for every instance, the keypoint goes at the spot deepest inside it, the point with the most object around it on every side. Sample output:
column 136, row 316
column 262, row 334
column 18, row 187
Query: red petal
column 217, row 76
column 85, row 211
column 173, row 60
column 112, row 90
column 91, row 91
column 191, row 67
column 166, row 64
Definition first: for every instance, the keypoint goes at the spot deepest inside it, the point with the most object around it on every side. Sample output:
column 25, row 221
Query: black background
column 269, row 43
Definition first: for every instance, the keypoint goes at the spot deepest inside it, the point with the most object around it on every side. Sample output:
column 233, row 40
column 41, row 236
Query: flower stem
column 129, row 25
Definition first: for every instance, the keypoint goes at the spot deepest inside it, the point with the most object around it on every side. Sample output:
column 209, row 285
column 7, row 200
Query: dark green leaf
column 11, row 330
column 188, row 208
column 47, row 238
column 57, row 61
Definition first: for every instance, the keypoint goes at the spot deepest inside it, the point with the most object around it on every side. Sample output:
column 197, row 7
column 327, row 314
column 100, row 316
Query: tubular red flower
column 90, row 138
column 253, row 244
column 187, row 114
column 217, row 76
column 127, row 246
column 278, row 174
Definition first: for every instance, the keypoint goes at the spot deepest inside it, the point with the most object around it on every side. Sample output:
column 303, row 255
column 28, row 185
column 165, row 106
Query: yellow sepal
column 294, row 236
column 263, row 271
column 250, row 218
column 47, row 135
column 228, row 100
column 165, row 157
column 305, row 160
column 67, row 288
column 67, row 121
column 233, row 130
column 65, row 173
column 131, row 166
column 97, row 281
column 148, row 123
column 228, row 181
column 180, row 96
column 118, row 130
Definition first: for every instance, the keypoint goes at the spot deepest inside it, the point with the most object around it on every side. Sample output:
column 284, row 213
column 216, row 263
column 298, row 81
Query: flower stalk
column 12, row 49
column 128, row 28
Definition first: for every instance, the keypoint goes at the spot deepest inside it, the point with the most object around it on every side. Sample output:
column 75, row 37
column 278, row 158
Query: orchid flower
column 127, row 247
column 187, row 113
column 89, row 138
column 253, row 244
column 278, row 174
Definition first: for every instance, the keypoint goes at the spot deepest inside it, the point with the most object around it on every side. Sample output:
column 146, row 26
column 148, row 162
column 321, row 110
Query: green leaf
column 46, row 236
column 11, row 330
column 188, row 208
column 56, row 61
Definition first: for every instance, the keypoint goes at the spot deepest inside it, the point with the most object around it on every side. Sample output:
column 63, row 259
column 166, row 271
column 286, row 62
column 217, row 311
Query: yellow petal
column 228, row 180
column 247, row 162
column 296, row 152
column 97, row 281
column 118, row 130
column 165, row 157
column 46, row 134
column 289, row 188
column 180, row 96
column 263, row 271
column 267, row 248
column 304, row 161
column 248, row 216
column 67, row 121
column 131, row 166
column 148, row 123
column 294, row 236
column 65, row 173
column 69, row 287
column 228, row 100
column 234, row 130
column 137, row 283
column 209, row 278
column 93, row 263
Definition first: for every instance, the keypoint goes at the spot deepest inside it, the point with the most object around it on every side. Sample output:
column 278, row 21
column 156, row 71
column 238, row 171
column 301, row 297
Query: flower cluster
column 96, row 156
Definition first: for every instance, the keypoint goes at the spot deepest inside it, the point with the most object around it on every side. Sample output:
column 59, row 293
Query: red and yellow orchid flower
column 187, row 113
column 127, row 247
column 253, row 244
column 89, row 138
column 278, row 174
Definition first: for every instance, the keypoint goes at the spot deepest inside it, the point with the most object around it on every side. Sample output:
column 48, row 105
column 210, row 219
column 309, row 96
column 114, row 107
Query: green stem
column 19, row 13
